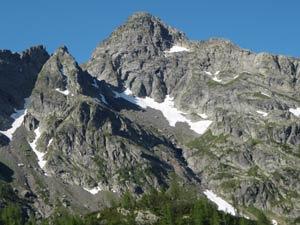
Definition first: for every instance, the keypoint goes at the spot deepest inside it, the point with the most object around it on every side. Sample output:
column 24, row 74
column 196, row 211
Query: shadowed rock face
column 246, row 153
column 18, row 73
column 91, row 144
column 5, row 173
column 249, row 155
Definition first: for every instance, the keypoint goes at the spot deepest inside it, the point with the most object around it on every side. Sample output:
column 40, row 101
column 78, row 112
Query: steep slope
column 251, row 152
column 150, row 103
column 81, row 139
column 18, row 73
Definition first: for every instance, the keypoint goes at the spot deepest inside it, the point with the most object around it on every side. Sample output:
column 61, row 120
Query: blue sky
column 258, row 25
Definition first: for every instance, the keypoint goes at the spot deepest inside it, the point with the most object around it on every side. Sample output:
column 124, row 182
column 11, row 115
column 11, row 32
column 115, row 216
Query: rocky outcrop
column 87, row 142
column 247, row 95
column 18, row 73
column 91, row 138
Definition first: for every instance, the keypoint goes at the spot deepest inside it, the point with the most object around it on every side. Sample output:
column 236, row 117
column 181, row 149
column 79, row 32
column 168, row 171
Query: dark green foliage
column 6, row 192
column 178, row 205
column 11, row 215
column 128, row 201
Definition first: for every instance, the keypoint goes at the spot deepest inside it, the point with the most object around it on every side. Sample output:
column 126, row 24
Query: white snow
column 214, row 76
column 65, row 92
column 33, row 145
column 203, row 115
column 177, row 48
column 274, row 222
column 50, row 142
column 94, row 190
column 18, row 117
column 208, row 73
column 221, row 203
column 217, row 79
column 167, row 108
column 236, row 77
column 264, row 114
column 265, row 94
column 295, row 111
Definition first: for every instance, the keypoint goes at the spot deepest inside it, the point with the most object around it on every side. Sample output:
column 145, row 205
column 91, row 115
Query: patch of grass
column 207, row 141
column 230, row 184
column 253, row 171
column 253, row 142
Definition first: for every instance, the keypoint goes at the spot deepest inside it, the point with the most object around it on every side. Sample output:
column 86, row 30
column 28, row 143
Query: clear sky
column 258, row 25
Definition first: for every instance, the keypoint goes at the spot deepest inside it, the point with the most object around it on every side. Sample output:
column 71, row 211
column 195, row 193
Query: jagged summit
column 62, row 49
column 143, row 28
column 130, row 117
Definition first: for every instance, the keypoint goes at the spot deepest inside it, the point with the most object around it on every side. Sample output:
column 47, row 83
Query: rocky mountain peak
column 147, row 29
column 95, row 137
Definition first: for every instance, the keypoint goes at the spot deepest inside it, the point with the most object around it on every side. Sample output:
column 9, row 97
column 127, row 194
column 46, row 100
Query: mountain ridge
column 93, row 139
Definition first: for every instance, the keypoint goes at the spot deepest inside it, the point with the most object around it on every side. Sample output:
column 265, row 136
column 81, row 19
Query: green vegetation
column 206, row 141
column 178, row 205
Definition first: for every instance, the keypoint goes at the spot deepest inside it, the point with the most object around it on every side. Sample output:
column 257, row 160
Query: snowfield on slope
column 215, row 78
column 172, row 114
column 264, row 114
column 18, row 117
column 65, row 92
column 94, row 190
column 40, row 155
column 221, row 203
column 295, row 111
column 177, row 48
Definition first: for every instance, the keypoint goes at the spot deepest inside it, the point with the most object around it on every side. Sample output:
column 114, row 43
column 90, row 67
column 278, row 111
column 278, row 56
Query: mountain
column 148, row 104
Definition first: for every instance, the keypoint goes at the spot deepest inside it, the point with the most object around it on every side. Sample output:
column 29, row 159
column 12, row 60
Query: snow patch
column 274, row 222
column 203, row 115
column 221, row 203
column 50, row 142
column 167, row 108
column 208, row 73
column 177, row 48
column 264, row 114
column 94, row 190
column 65, row 92
column 295, row 111
column 18, row 117
column 217, row 79
column 235, row 77
column 214, row 76
column 265, row 94
column 33, row 145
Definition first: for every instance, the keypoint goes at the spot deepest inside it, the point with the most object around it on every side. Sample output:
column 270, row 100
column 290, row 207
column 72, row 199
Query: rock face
column 254, row 139
column 87, row 142
column 18, row 73
column 94, row 140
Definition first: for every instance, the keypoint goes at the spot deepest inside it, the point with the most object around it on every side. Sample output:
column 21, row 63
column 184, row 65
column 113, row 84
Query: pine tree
column 215, row 219
column 128, row 201
column 12, row 215
column 198, row 213
column 167, row 217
